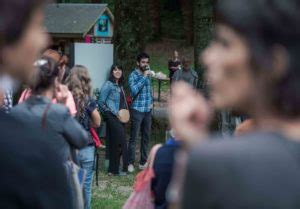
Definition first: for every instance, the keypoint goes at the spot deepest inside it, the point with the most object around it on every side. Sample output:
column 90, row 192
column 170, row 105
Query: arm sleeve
column 74, row 133
column 103, row 96
column 136, row 83
column 92, row 106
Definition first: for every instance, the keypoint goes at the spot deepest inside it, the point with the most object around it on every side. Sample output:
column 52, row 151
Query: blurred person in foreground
column 253, row 67
column 163, row 167
column 32, row 174
column 67, row 135
column 40, row 111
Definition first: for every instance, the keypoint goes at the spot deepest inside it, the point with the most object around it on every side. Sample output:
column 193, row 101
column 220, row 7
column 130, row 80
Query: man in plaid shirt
column 142, row 104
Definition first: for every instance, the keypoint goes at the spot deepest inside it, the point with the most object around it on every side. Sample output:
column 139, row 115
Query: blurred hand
column 189, row 112
column 61, row 93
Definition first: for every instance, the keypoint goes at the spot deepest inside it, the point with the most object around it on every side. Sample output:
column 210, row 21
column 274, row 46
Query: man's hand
column 148, row 73
column 61, row 93
column 189, row 113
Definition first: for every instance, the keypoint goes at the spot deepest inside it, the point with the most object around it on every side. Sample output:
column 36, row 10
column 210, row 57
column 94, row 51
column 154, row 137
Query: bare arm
column 96, row 119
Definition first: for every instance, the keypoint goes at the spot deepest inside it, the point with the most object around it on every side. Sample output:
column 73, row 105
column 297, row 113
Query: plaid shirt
column 8, row 101
column 6, row 87
column 141, row 91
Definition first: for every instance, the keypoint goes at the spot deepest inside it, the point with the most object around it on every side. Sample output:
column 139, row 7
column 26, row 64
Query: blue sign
column 103, row 26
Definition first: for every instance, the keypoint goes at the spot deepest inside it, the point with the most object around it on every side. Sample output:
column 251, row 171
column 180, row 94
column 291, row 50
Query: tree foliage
column 132, row 31
column 155, row 14
column 203, row 22
column 188, row 22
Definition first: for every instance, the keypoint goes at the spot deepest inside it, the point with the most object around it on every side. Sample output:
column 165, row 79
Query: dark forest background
column 138, row 23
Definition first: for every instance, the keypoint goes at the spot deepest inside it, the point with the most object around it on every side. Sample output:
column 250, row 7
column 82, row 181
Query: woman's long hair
column 79, row 83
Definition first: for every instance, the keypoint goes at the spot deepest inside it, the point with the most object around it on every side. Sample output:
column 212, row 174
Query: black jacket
column 258, row 171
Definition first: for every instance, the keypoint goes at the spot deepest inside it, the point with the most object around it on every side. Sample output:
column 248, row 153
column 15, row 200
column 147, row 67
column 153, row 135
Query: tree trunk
column 188, row 23
column 203, row 22
column 154, row 12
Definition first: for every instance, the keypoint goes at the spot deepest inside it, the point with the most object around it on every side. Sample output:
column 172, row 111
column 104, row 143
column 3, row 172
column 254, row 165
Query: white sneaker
column 142, row 167
column 130, row 168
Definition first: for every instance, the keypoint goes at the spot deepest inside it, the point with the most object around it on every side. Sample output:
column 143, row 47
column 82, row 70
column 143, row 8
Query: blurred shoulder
column 254, row 144
column 108, row 83
column 59, row 109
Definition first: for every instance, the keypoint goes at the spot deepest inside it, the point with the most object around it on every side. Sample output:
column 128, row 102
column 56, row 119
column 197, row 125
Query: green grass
column 112, row 191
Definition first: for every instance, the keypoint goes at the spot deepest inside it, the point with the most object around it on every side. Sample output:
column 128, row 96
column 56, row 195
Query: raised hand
column 189, row 113
column 61, row 93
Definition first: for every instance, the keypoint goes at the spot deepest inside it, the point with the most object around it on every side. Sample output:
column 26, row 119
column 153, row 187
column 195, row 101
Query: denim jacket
column 110, row 97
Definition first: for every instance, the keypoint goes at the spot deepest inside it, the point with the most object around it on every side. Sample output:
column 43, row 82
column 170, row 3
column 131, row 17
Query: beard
column 143, row 69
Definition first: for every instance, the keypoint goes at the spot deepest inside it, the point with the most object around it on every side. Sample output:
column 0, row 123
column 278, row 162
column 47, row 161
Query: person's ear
column 280, row 61
column 138, row 64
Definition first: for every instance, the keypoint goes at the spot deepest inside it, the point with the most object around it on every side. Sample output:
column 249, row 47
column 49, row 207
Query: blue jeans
column 86, row 160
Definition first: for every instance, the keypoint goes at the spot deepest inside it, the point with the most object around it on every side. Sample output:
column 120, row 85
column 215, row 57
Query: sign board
column 98, row 58
column 102, row 27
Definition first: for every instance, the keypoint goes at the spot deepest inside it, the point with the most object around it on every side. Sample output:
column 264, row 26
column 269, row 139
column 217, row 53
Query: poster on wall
column 102, row 28
column 103, row 25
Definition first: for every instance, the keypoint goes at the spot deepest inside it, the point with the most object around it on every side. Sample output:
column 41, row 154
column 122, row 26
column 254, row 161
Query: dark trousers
column 117, row 145
column 139, row 122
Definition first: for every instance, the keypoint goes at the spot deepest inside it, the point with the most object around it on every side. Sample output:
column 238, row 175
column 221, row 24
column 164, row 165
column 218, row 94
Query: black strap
column 44, row 118
column 122, row 90
column 134, row 98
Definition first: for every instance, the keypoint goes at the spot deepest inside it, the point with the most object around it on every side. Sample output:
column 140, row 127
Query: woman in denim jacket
column 112, row 99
